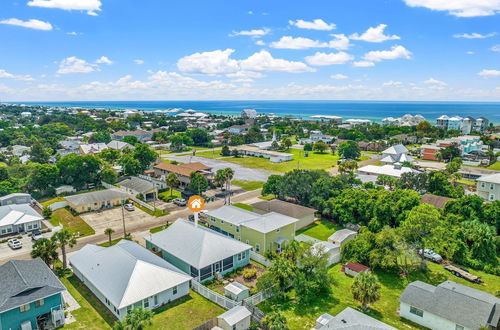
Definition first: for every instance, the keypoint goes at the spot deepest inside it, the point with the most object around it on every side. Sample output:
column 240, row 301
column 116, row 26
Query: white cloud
column 244, row 76
column 432, row 81
column 363, row 64
column 392, row 83
column 317, row 24
column 474, row 35
column 489, row 73
column 340, row 42
column 339, row 76
column 495, row 48
column 104, row 60
column 214, row 62
column 7, row 75
column 395, row 53
column 139, row 61
column 75, row 65
column 220, row 62
column 321, row 59
column 374, row 34
column 260, row 43
column 30, row 24
column 74, row 33
column 252, row 33
column 470, row 52
column 460, row 8
column 90, row 6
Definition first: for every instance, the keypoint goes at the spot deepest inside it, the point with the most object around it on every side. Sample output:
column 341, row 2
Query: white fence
column 142, row 203
column 214, row 296
column 258, row 297
column 260, row 259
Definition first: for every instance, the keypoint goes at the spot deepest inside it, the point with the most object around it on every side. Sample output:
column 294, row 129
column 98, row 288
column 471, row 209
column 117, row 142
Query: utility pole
column 123, row 220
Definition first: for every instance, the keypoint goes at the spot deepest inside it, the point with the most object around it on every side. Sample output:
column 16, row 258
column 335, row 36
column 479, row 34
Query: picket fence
column 260, row 259
column 214, row 296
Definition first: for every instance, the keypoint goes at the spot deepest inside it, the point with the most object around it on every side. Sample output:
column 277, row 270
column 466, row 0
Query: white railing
column 214, row 296
column 260, row 259
column 159, row 183
column 142, row 203
column 258, row 297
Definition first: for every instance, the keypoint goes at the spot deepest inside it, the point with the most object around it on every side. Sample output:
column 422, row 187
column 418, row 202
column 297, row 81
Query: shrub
column 249, row 273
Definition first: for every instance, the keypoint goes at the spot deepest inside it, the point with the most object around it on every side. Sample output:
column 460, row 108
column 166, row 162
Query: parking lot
column 112, row 218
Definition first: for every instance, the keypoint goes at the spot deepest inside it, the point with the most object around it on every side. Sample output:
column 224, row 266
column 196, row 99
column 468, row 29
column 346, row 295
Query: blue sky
column 158, row 50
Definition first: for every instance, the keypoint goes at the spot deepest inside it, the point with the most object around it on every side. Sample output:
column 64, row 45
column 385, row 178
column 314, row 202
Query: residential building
column 480, row 125
column 238, row 129
column 140, row 134
column 237, row 318
column 96, row 200
column 437, row 201
column 25, row 114
column 442, row 122
column 92, row 148
column 488, row 187
column 30, row 296
column 455, row 123
column 396, row 154
column 19, row 218
column 465, row 125
column 249, row 113
column 316, row 136
column 183, row 171
column 69, row 146
column 449, row 306
column 394, row 170
column 273, row 156
column 465, row 143
column 304, row 215
column 198, row 251
column 15, row 150
column 119, row 145
column 264, row 232
column 16, row 198
column 406, row 120
column 137, row 186
column 126, row 276
column 340, row 237
column 357, row 122
column 350, row 318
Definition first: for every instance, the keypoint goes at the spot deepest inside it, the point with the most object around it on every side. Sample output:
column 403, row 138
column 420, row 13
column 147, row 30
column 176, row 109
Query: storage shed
column 236, row 291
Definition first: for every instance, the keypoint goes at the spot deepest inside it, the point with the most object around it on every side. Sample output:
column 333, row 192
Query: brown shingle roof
column 437, row 201
column 183, row 169
column 286, row 208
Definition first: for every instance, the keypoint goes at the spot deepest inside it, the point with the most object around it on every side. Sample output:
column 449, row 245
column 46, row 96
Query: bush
column 249, row 273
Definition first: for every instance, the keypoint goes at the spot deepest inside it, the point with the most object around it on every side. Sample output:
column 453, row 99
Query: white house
column 19, row 218
column 488, row 187
column 449, row 306
column 350, row 319
column 273, row 156
column 342, row 236
column 237, row 318
column 126, row 276
column 395, row 170
column 395, row 154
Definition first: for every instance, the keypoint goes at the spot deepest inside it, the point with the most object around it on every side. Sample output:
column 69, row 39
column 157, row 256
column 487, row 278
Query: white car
column 431, row 255
column 129, row 207
column 15, row 244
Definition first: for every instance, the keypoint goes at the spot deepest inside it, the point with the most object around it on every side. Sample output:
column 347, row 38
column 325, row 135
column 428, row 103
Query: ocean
column 374, row 111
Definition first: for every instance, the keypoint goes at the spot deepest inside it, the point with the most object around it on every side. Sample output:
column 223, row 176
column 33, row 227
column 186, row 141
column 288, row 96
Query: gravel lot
column 112, row 218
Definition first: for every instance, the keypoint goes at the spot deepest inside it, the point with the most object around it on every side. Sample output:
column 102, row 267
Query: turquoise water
column 304, row 109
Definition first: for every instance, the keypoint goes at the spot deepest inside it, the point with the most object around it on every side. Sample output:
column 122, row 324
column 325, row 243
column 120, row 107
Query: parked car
column 36, row 235
column 431, row 255
column 180, row 202
column 129, row 207
column 15, row 244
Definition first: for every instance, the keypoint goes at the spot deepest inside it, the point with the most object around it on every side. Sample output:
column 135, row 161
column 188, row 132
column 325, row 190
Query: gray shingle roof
column 286, row 208
column 95, row 196
column 458, row 303
column 24, row 281
column 137, row 184
column 196, row 246
column 352, row 319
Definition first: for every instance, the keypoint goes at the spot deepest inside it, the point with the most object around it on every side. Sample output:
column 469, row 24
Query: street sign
column 196, row 203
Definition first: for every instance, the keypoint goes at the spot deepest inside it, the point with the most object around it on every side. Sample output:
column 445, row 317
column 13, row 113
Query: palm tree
column 109, row 232
column 220, row 178
column 136, row 319
column 229, row 176
column 64, row 238
column 46, row 250
column 172, row 182
column 366, row 289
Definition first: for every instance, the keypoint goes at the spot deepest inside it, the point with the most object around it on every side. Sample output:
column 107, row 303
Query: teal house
column 199, row 251
column 30, row 296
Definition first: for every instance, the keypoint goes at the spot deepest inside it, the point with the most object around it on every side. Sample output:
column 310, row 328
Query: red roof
column 358, row 268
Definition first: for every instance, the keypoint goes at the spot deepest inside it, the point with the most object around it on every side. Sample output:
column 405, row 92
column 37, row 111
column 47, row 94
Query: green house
column 30, row 296
column 198, row 251
column 264, row 232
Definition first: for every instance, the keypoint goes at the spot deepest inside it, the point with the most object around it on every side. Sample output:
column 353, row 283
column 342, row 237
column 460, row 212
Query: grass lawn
column 156, row 213
column 248, row 185
column 157, row 229
column 321, row 230
column 267, row 197
column 314, row 161
column 52, row 201
column 495, row 166
column 113, row 242
column 165, row 196
column 74, row 223
column 303, row 316
column 244, row 206
column 468, row 182
column 185, row 313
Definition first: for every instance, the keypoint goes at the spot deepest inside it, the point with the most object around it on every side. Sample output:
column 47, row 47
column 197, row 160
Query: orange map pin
column 196, row 203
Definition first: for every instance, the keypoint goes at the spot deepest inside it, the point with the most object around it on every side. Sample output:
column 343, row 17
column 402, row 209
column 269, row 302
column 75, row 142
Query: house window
column 241, row 256
column 492, row 197
column 39, row 303
column 237, row 229
column 257, row 247
column 247, row 241
column 174, row 290
column 107, row 301
column 156, row 299
column 213, row 219
column 222, row 221
column 145, row 303
column 24, row 308
column 416, row 311
column 491, row 186
column 482, row 184
column 278, row 230
column 459, row 327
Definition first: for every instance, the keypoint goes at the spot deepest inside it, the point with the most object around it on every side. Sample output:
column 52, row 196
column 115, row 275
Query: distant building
column 183, row 171
column 96, row 200
column 141, row 135
column 349, row 318
column 465, row 125
column 406, row 120
column 488, row 187
column 25, row 114
column 238, row 129
column 465, row 143
column 273, row 156
column 316, row 136
column 137, row 186
column 396, row 154
column 119, row 145
column 342, row 236
column 249, row 113
column 92, row 148
column 395, row 170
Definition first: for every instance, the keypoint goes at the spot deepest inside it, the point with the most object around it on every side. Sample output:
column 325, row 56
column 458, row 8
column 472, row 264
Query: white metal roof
column 235, row 315
column 395, row 150
column 16, row 214
column 197, row 246
column 236, row 288
column 491, row 178
column 95, row 196
column 232, row 214
column 390, row 170
column 126, row 272
column 341, row 235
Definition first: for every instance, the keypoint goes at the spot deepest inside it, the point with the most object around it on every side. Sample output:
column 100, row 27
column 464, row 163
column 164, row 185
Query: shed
column 341, row 236
column 332, row 250
column 236, row 291
column 353, row 268
column 65, row 189
column 237, row 318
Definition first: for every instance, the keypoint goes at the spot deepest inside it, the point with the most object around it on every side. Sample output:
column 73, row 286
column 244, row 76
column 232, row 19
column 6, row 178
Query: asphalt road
column 139, row 227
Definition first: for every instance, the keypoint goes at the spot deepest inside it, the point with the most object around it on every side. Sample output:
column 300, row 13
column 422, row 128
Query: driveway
column 7, row 252
column 240, row 172
column 112, row 218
